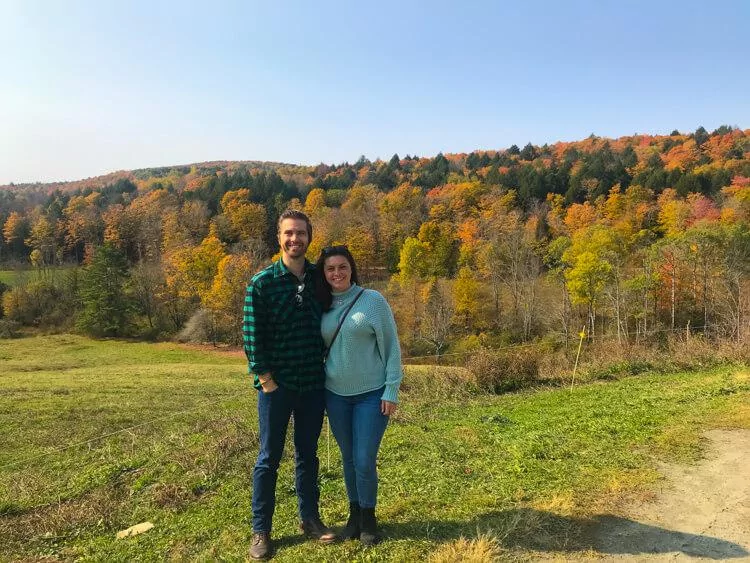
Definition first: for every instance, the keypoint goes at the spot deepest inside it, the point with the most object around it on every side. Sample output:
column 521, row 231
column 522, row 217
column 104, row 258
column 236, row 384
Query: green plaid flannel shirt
column 281, row 328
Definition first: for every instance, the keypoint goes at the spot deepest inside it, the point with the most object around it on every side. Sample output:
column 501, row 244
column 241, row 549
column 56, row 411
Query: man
column 281, row 329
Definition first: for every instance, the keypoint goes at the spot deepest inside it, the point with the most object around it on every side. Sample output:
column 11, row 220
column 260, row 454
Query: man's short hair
column 295, row 214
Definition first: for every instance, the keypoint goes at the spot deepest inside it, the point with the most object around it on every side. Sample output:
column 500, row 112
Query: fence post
column 582, row 335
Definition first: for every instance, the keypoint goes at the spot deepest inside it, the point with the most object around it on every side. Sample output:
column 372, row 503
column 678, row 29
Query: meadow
column 9, row 277
column 99, row 435
column 21, row 276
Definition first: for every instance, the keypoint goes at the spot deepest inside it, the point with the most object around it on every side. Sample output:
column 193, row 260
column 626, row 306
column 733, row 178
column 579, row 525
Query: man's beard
column 298, row 250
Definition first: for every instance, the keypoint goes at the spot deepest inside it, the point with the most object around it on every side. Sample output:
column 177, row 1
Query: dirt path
column 701, row 513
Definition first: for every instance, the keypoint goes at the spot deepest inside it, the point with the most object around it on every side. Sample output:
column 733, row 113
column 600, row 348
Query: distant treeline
column 628, row 236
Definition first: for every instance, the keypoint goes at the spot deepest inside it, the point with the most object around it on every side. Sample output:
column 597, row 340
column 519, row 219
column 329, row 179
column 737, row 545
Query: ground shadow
column 622, row 535
column 538, row 530
column 287, row 541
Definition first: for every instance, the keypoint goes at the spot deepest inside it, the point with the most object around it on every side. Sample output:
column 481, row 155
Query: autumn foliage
column 627, row 236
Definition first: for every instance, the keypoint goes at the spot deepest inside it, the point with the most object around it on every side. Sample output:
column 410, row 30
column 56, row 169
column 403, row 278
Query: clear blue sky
column 90, row 87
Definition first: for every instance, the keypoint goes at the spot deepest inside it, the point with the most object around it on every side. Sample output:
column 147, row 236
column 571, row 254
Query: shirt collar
column 280, row 269
column 347, row 292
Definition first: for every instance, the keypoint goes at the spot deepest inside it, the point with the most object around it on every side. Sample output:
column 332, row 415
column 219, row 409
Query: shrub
column 694, row 352
column 468, row 344
column 735, row 351
column 3, row 288
column 497, row 371
column 38, row 303
column 197, row 329
column 428, row 383
column 8, row 328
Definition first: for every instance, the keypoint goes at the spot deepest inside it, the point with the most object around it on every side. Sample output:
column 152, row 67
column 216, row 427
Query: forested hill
column 640, row 232
column 696, row 162
column 173, row 172
column 71, row 216
column 80, row 213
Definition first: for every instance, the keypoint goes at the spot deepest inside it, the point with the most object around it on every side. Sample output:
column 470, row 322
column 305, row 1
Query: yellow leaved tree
column 225, row 299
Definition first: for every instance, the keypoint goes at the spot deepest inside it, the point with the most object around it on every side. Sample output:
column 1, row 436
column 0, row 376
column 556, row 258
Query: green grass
column 9, row 277
column 529, row 467
column 21, row 275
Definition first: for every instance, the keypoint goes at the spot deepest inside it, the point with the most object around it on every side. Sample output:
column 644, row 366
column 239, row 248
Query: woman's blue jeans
column 358, row 426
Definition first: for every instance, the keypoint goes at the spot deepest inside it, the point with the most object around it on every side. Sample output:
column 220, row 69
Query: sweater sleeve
column 390, row 351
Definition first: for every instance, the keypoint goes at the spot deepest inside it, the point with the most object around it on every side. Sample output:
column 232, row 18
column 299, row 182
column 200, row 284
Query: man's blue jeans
column 274, row 411
column 358, row 426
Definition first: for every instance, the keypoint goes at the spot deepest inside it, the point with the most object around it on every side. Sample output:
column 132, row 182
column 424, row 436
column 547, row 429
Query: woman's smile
column 338, row 273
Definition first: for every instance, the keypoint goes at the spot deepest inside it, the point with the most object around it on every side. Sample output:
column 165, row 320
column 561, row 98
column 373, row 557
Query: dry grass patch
column 438, row 381
column 497, row 371
column 55, row 522
column 482, row 549
column 467, row 436
column 622, row 489
column 425, row 386
column 562, row 503
column 739, row 417
column 171, row 495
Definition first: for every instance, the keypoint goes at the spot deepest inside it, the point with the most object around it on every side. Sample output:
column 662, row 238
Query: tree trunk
column 673, row 296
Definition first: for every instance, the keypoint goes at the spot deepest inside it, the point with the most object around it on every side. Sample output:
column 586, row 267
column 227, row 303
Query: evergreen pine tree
column 106, row 307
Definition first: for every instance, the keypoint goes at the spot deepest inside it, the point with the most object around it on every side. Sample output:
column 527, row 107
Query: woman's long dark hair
column 322, row 287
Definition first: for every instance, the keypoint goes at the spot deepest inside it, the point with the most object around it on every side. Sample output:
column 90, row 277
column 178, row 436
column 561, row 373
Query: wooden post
column 582, row 335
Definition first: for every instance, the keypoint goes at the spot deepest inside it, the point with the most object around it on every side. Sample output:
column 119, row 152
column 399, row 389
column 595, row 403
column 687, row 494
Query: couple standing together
column 316, row 341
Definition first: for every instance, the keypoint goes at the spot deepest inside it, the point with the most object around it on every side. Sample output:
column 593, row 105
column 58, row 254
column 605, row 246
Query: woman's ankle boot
column 351, row 530
column 368, row 527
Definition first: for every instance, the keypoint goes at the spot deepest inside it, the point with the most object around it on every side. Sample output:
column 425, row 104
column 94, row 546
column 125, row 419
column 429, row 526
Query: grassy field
column 18, row 276
column 9, row 277
column 527, row 469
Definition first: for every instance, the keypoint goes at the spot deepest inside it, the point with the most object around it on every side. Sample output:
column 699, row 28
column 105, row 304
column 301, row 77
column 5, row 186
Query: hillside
column 99, row 182
column 630, row 237
column 684, row 152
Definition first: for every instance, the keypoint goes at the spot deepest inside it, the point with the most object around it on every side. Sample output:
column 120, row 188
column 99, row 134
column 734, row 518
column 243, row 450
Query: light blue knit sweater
column 366, row 354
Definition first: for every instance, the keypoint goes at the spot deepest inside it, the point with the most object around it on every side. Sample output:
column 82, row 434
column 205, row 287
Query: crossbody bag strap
column 341, row 322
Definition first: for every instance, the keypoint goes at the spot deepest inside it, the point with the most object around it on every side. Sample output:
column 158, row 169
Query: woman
column 363, row 374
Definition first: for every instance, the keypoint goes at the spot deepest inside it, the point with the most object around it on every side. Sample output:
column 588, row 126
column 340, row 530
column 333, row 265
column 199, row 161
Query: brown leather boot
column 261, row 547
